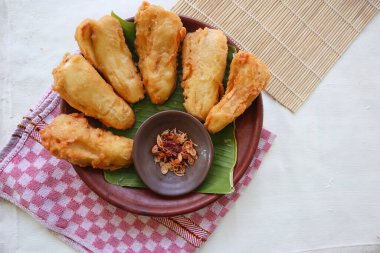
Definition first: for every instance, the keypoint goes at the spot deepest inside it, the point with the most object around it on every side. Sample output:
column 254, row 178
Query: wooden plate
column 146, row 202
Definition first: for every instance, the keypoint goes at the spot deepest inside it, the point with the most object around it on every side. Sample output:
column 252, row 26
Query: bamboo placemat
column 298, row 40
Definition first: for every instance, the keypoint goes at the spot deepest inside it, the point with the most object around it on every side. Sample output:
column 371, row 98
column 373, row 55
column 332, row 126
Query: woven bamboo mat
column 299, row 40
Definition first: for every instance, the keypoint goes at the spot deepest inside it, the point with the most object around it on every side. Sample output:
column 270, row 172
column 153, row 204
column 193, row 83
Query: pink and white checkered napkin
column 50, row 191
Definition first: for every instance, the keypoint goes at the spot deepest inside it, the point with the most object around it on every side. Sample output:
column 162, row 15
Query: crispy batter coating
column 248, row 76
column 103, row 45
column 84, row 89
column 158, row 35
column 204, row 57
column 70, row 137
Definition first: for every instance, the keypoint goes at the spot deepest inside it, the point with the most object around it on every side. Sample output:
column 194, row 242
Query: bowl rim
column 208, row 144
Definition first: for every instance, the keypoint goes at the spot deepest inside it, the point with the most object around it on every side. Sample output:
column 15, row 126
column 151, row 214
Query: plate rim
column 205, row 199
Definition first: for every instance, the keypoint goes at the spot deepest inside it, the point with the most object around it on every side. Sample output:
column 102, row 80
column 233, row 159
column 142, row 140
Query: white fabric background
column 318, row 188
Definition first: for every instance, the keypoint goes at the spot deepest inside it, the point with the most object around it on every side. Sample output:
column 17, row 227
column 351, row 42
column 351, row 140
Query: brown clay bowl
column 150, row 172
column 145, row 201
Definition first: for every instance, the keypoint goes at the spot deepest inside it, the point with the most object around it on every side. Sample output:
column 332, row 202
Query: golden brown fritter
column 204, row 56
column 70, row 137
column 158, row 35
column 248, row 76
column 103, row 45
column 84, row 89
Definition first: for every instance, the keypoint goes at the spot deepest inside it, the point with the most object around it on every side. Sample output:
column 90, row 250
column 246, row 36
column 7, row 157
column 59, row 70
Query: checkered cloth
column 50, row 191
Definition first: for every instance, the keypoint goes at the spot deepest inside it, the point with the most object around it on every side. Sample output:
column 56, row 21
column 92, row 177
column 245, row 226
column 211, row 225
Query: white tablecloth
column 318, row 189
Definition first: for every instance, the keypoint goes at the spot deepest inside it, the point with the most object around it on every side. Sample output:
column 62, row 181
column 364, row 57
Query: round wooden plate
column 146, row 202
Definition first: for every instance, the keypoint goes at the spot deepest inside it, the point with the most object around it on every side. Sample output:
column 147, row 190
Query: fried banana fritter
column 158, row 35
column 70, row 137
column 84, row 89
column 248, row 76
column 103, row 45
column 204, row 57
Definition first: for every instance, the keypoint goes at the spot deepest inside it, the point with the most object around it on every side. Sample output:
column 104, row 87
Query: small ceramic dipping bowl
column 150, row 173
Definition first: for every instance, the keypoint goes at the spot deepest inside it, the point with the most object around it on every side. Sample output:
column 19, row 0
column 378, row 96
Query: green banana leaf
column 219, row 180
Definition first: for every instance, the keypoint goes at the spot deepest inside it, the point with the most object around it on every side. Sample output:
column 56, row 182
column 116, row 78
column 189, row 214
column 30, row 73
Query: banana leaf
column 219, row 179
